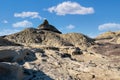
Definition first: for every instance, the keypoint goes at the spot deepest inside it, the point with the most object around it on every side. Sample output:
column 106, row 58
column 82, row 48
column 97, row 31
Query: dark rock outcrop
column 46, row 26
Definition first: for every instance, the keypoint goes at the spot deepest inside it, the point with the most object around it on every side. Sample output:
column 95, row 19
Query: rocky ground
column 43, row 54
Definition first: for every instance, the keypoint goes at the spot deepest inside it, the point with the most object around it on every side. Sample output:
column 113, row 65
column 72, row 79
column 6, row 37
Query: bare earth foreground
column 47, row 54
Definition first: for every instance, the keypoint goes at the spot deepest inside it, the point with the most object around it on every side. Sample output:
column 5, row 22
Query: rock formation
column 43, row 36
column 46, row 54
column 46, row 26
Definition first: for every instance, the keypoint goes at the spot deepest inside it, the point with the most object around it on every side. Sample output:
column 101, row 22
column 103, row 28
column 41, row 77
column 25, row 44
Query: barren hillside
column 44, row 53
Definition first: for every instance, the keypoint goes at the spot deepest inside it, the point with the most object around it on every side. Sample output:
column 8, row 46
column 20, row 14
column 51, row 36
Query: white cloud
column 70, row 27
column 5, row 21
column 24, row 23
column 8, row 31
column 28, row 14
column 69, row 7
column 109, row 26
column 92, row 35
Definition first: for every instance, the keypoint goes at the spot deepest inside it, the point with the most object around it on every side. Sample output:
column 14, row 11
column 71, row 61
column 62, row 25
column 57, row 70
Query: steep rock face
column 46, row 26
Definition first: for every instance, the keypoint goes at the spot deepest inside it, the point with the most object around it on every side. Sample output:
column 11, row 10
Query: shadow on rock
column 10, row 71
column 5, row 42
column 35, row 75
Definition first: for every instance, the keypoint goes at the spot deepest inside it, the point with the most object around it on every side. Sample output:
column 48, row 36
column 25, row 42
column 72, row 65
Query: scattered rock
column 65, row 55
column 93, row 76
column 76, row 51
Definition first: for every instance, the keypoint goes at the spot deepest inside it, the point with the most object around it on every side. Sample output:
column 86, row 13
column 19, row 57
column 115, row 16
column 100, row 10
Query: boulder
column 76, row 51
column 71, row 50
column 17, row 55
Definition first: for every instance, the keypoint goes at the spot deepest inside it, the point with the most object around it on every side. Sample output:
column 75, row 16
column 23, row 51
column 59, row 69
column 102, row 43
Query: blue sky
column 90, row 17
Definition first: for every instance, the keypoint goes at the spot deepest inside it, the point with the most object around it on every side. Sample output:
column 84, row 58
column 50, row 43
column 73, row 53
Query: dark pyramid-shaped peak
column 46, row 26
column 45, row 22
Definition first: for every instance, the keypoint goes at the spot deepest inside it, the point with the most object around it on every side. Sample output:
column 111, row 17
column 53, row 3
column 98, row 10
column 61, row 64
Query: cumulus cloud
column 109, row 26
column 69, row 7
column 5, row 21
column 31, row 15
column 8, row 31
column 70, row 27
column 24, row 24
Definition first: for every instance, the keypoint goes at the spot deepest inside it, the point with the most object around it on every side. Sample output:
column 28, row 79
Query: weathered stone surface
column 118, row 41
column 59, row 68
column 111, row 37
column 16, row 54
column 56, row 65
column 107, row 49
column 10, row 71
column 49, row 55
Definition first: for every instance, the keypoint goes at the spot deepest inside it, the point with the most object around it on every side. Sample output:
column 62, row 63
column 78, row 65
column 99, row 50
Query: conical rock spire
column 46, row 26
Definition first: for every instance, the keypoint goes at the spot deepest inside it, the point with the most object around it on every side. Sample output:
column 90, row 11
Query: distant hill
column 49, row 35
column 109, row 37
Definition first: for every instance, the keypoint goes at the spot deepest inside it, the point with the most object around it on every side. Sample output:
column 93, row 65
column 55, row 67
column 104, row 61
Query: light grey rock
column 16, row 55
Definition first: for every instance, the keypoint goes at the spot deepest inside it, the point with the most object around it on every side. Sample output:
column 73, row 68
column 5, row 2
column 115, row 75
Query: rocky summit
column 44, row 53
column 46, row 26
column 48, row 35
